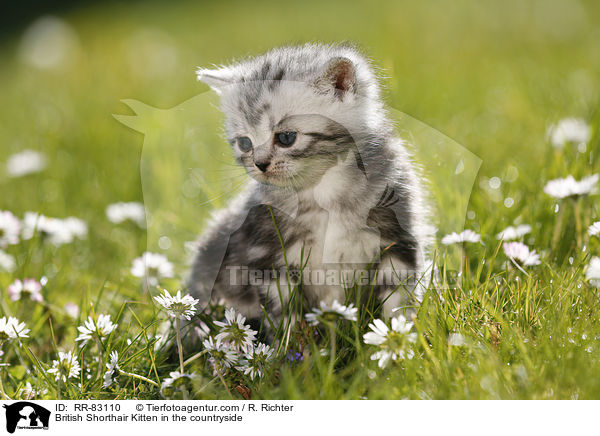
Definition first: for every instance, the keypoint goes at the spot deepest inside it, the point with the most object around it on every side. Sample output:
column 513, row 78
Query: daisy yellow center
column 330, row 316
column 65, row 367
column 236, row 335
column 219, row 359
column 395, row 341
column 179, row 307
column 181, row 381
column 259, row 362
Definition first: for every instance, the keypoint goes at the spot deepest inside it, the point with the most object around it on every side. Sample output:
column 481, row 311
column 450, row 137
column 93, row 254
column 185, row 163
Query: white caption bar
column 297, row 417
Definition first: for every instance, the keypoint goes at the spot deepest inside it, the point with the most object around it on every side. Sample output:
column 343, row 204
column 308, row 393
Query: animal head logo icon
column 26, row 414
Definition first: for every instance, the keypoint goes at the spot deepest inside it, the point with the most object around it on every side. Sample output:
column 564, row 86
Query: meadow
column 489, row 82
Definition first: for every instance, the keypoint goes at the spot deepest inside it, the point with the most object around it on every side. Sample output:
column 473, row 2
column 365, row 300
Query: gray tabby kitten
column 328, row 177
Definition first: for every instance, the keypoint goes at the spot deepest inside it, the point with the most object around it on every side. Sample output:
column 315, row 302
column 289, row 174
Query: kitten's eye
column 286, row 139
column 244, row 143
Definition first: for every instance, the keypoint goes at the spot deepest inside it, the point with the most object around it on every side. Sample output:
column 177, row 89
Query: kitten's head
column 294, row 112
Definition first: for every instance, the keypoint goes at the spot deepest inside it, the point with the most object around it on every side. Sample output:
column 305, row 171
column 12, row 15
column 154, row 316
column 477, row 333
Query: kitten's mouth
column 273, row 178
column 277, row 174
column 295, row 178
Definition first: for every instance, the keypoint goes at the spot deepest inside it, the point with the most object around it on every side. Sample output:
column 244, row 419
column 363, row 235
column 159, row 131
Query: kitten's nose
column 262, row 165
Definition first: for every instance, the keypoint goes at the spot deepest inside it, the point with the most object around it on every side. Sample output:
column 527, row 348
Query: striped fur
column 345, row 194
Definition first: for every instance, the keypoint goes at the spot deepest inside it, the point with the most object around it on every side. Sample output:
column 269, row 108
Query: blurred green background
column 492, row 76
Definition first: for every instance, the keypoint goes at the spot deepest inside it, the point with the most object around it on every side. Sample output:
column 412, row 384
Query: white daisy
column 520, row 253
column 99, row 329
column 11, row 328
column 221, row 355
column 25, row 162
column 59, row 234
column 569, row 187
column 569, row 130
column 28, row 392
column 178, row 306
column 123, row 211
column 456, row 340
column 56, row 231
column 152, row 266
column 175, row 380
column 112, row 365
column 511, row 233
column 234, row 332
column 72, row 310
column 10, row 229
column 594, row 229
column 76, row 227
column 393, row 342
column 65, row 367
column 7, row 262
column 29, row 287
column 34, row 222
column 592, row 273
column 331, row 313
column 384, row 356
column 466, row 236
column 256, row 360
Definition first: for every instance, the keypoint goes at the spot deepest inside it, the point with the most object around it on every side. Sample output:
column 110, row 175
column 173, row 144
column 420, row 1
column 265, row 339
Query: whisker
column 222, row 195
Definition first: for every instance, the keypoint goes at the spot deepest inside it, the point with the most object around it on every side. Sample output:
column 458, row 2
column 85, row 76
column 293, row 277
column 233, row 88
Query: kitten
column 329, row 181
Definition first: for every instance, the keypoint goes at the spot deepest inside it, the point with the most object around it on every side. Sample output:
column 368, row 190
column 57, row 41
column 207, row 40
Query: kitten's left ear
column 339, row 75
column 216, row 79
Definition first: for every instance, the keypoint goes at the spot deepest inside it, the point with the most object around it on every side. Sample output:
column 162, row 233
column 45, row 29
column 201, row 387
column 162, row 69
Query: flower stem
column 463, row 258
column 557, row 226
column 2, row 393
column 333, row 339
column 586, row 224
column 139, row 377
column 194, row 357
column 179, row 346
column 577, row 207
column 223, row 381
column 515, row 263
column 101, row 351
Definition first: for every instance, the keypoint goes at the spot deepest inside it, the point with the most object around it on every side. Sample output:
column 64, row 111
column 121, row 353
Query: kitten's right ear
column 216, row 79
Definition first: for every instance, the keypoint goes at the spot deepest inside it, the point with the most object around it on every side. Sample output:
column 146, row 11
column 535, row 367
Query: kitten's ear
column 216, row 79
column 339, row 75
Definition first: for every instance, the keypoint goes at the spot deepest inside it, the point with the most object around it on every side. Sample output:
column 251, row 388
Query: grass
column 491, row 77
